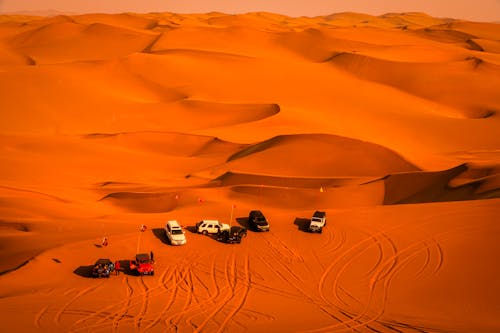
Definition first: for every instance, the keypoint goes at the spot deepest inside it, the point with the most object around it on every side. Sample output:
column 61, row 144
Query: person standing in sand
column 117, row 267
column 104, row 241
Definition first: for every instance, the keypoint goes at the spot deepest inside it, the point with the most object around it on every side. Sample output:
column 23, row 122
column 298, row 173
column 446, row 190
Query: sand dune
column 320, row 155
column 433, row 187
column 121, row 20
column 476, row 96
column 240, row 40
column 174, row 144
column 478, row 29
column 387, row 123
column 233, row 178
column 96, row 41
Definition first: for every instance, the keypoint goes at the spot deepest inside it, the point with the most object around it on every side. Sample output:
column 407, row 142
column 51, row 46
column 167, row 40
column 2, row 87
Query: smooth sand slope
column 389, row 124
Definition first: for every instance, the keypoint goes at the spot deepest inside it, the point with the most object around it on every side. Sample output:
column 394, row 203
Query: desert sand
column 390, row 124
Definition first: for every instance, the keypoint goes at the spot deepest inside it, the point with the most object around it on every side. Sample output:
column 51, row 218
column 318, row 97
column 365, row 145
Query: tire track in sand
column 129, row 291
column 162, row 282
column 189, row 289
column 180, row 277
column 246, row 290
column 59, row 313
column 229, row 269
column 144, row 304
column 39, row 315
column 211, row 296
column 411, row 251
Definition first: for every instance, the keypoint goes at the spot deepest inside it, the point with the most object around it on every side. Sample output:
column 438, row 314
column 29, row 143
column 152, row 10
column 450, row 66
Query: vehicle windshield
column 261, row 221
column 176, row 232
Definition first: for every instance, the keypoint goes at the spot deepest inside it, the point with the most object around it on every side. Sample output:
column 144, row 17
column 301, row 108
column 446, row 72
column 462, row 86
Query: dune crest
column 437, row 186
column 319, row 154
column 475, row 95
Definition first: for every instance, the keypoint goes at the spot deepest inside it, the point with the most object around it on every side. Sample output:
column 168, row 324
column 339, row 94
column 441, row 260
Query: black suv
column 233, row 235
column 257, row 221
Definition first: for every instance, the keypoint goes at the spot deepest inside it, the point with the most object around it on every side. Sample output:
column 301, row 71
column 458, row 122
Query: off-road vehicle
column 174, row 233
column 257, row 221
column 142, row 265
column 233, row 235
column 211, row 227
column 102, row 268
column 318, row 221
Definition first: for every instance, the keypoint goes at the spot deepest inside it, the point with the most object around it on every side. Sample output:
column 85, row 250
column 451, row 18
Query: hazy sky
column 483, row 10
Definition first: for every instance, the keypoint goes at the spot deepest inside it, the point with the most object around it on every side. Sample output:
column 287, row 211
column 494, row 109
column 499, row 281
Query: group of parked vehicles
column 144, row 263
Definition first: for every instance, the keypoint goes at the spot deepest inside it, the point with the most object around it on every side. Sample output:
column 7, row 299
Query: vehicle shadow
column 84, row 271
column 125, row 268
column 191, row 229
column 243, row 221
column 302, row 224
column 160, row 234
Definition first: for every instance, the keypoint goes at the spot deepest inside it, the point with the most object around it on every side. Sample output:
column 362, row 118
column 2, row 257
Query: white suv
column 318, row 221
column 174, row 233
column 211, row 227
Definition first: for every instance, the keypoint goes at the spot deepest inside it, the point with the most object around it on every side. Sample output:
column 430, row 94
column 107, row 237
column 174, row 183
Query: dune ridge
column 320, row 154
column 477, row 103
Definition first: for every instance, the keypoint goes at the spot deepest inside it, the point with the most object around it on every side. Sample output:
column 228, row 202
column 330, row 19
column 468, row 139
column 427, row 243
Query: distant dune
column 113, row 124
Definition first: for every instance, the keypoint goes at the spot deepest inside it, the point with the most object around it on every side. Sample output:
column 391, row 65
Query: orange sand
column 108, row 122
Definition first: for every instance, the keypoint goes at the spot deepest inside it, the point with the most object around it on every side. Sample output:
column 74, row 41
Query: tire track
column 295, row 285
column 162, row 282
column 180, row 278
column 382, row 271
column 283, row 249
column 246, row 290
column 144, row 306
column 57, row 317
column 331, row 238
column 39, row 315
column 382, row 274
column 229, row 266
column 210, row 299
column 129, row 291
column 189, row 299
column 116, row 315
column 126, row 305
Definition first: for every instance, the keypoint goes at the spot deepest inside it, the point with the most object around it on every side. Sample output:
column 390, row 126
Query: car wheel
column 204, row 232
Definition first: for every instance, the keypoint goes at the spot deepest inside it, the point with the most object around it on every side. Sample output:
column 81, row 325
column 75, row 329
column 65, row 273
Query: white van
column 174, row 233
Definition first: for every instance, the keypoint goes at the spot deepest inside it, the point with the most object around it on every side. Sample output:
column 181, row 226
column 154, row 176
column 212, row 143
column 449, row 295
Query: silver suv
column 318, row 221
column 211, row 227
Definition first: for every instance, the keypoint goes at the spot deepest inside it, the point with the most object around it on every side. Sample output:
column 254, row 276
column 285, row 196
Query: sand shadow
column 243, row 221
column 84, row 271
column 125, row 268
column 302, row 223
column 160, row 234
column 191, row 229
